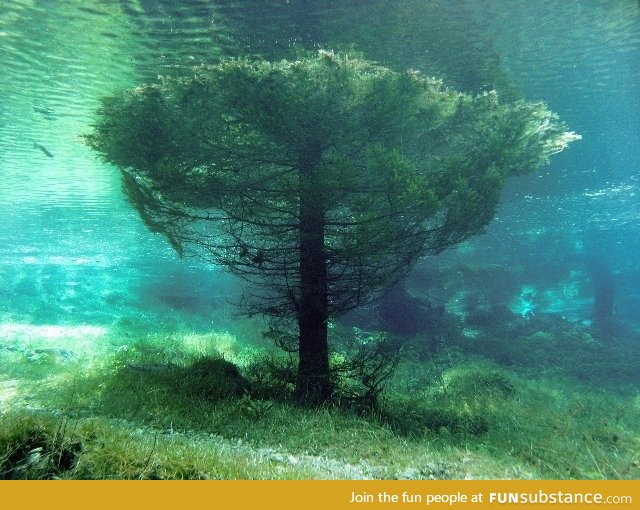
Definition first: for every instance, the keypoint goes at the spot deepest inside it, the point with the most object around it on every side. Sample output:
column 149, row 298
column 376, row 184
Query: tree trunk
column 604, row 298
column 605, row 291
column 313, row 386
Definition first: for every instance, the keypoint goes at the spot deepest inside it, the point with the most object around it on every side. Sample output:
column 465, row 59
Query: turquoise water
column 73, row 251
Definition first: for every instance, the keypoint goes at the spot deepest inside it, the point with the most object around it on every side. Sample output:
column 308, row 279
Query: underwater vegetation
column 333, row 311
column 321, row 181
column 559, row 401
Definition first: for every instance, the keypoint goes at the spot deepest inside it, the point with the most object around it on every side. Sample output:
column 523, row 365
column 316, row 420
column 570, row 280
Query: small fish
column 47, row 112
column 43, row 149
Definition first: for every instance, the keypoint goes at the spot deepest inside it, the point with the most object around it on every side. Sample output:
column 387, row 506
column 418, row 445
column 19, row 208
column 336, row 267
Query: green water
column 84, row 284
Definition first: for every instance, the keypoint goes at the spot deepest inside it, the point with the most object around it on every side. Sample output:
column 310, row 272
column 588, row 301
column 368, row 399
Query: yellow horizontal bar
column 321, row 495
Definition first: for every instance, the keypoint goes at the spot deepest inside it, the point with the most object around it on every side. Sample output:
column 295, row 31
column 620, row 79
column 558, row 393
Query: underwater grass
column 42, row 446
column 454, row 414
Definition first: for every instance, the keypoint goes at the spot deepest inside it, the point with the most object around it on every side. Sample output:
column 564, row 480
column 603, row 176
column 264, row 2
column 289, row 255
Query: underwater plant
column 320, row 180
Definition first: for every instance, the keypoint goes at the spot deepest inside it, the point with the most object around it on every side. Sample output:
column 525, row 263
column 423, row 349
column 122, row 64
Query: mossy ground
column 187, row 405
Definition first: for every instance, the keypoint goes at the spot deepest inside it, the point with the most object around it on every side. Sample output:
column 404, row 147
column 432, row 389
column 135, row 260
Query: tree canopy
column 320, row 180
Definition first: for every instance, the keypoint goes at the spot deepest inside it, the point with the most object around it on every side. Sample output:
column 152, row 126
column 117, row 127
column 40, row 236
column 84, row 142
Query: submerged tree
column 320, row 180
